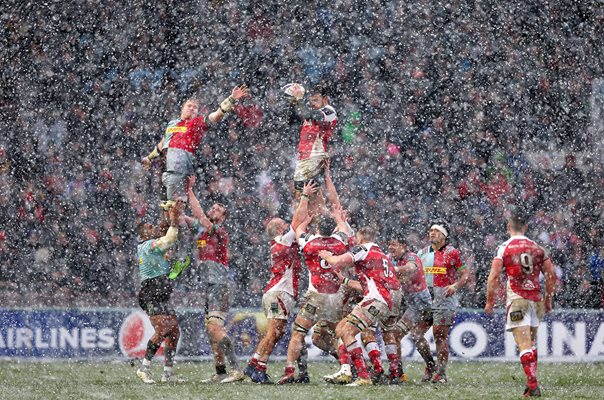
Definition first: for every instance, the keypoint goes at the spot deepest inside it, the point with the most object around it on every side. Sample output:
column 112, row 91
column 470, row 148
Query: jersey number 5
column 526, row 260
column 387, row 272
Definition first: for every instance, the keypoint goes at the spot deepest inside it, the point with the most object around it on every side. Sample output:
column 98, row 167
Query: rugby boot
column 167, row 205
column 234, row 376
column 145, row 374
column 249, row 370
column 536, row 392
column 216, row 378
column 303, row 378
column 439, row 378
column 261, row 377
column 170, row 378
column 428, row 374
column 287, row 379
column 342, row 377
column 379, row 379
column 361, row 382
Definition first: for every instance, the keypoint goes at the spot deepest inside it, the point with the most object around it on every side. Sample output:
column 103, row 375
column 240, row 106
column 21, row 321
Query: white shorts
column 322, row 306
column 278, row 304
column 523, row 312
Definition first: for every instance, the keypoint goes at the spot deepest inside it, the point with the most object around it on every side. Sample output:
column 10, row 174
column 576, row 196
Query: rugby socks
column 151, row 350
column 529, row 364
column 167, row 370
column 261, row 366
column 373, row 351
column 394, row 359
column 169, row 352
column 227, row 347
column 254, row 361
column 303, row 360
column 290, row 369
column 146, row 363
column 344, row 357
column 356, row 354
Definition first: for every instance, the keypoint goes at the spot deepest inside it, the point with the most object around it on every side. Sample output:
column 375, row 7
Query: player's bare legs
column 418, row 335
column 324, row 337
column 441, row 335
column 166, row 327
column 296, row 346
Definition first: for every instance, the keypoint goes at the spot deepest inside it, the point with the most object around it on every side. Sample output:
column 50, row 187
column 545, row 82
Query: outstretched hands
column 310, row 188
column 240, row 92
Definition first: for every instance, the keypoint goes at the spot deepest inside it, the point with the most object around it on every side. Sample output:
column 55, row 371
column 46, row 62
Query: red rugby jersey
column 322, row 276
column 522, row 262
column 285, row 264
column 314, row 135
column 187, row 134
column 417, row 282
column 375, row 272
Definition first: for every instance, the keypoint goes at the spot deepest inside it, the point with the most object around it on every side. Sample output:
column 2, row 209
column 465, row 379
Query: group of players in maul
column 354, row 286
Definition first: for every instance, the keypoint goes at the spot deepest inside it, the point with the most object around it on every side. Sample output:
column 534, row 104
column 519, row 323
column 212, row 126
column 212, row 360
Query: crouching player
column 375, row 271
column 155, row 293
column 523, row 260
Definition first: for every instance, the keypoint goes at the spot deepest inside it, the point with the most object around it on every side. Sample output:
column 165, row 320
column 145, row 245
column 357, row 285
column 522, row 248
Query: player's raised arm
column 227, row 104
column 493, row 284
column 330, row 188
column 196, row 208
column 169, row 239
column 301, row 212
column 302, row 227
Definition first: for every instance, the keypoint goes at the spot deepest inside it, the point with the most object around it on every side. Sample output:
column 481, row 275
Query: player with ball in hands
column 319, row 120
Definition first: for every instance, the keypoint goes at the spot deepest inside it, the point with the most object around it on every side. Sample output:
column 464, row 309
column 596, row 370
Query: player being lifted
column 522, row 260
column 319, row 120
column 181, row 139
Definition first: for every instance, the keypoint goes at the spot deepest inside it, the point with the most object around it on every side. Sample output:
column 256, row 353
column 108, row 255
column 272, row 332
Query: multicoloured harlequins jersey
column 441, row 266
column 323, row 279
column 186, row 134
column 212, row 244
column 152, row 260
column 522, row 262
column 375, row 272
column 315, row 134
column 285, row 265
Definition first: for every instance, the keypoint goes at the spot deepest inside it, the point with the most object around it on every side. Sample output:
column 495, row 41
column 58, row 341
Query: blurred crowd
column 447, row 109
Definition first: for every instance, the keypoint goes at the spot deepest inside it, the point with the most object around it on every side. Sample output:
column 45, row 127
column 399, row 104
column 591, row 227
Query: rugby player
column 281, row 292
column 378, row 282
column 417, row 317
column 522, row 260
column 442, row 263
column 318, row 123
column 323, row 299
column 213, row 273
column 181, row 139
column 155, row 293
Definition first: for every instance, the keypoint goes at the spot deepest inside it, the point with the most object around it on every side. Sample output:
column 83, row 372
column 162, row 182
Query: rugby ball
column 294, row 91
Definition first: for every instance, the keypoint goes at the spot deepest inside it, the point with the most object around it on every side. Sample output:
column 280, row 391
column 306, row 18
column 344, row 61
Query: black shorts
column 318, row 179
column 154, row 296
